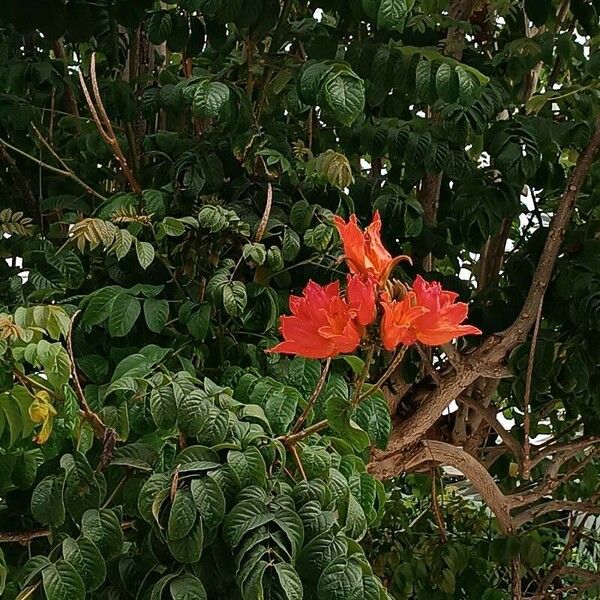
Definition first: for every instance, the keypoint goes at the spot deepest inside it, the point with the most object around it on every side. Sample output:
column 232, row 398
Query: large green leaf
column 235, row 298
column 87, row 560
column 344, row 94
column 47, row 505
column 373, row 415
column 182, row 516
column 156, row 313
column 124, row 312
column 209, row 99
column 392, row 14
column 62, row 582
column 104, row 529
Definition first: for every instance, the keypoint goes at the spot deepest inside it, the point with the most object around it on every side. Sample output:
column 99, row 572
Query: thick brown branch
column 554, row 506
column 22, row 537
column 445, row 454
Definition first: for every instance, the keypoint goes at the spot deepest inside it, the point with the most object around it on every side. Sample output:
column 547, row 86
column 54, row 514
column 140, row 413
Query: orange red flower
column 322, row 324
column 364, row 251
column 398, row 318
column 362, row 299
column 438, row 322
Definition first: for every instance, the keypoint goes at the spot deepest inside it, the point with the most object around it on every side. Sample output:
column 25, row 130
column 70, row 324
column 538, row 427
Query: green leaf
column 159, row 26
column 155, row 484
column 352, row 516
column 188, row 549
column 3, row 572
column 338, row 416
column 173, row 227
column 255, row 252
column 249, row 466
column 163, row 407
column 234, row 298
column 47, row 505
column 290, row 245
column 304, row 374
column 62, row 582
column 209, row 500
column 373, row 415
column 156, row 313
column 425, row 80
column 198, row 322
column 124, row 312
column 341, row 579
column 289, row 581
column 182, row 516
column 243, row 518
column 311, row 80
column 209, row 99
column 87, row 560
column 392, row 14
column 104, row 529
column 301, row 215
column 280, row 409
column 187, row 587
column 446, row 83
column 344, row 95
column 99, row 305
column 145, row 253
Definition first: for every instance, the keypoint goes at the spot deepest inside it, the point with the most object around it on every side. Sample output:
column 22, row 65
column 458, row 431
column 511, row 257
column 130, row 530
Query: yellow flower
column 42, row 411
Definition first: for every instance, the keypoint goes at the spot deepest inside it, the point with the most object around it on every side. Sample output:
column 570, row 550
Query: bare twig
column 62, row 172
column 23, row 537
column 100, row 429
column 296, row 456
column 527, row 395
column 262, row 226
column 489, row 414
column 313, row 398
column 104, row 126
column 386, row 375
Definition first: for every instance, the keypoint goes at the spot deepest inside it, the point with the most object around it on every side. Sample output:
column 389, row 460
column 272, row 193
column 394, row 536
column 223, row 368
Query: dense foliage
column 169, row 176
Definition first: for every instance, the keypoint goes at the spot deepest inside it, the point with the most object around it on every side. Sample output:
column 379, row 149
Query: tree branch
column 518, row 331
column 490, row 415
column 488, row 359
column 104, row 126
column 447, row 454
column 554, row 506
column 21, row 183
column 100, row 429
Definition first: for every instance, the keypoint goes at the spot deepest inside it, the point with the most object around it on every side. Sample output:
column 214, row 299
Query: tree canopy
column 172, row 176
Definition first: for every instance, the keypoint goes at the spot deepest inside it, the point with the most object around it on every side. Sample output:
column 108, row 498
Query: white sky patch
column 318, row 14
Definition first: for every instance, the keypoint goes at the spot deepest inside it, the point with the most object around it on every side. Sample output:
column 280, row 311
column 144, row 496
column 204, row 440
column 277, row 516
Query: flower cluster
column 324, row 323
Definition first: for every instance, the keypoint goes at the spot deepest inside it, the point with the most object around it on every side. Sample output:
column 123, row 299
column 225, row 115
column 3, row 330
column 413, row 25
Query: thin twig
column 313, row 398
column 527, row 394
column 363, row 376
column 262, row 226
column 100, row 429
column 56, row 170
column 27, row 381
column 387, row 374
column 298, row 461
column 439, row 519
column 104, row 126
